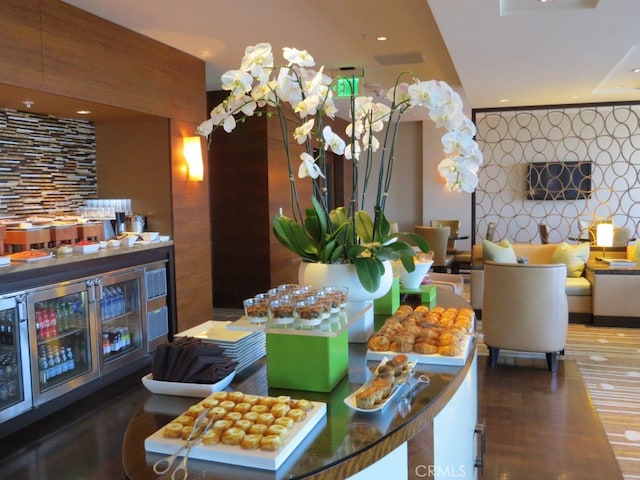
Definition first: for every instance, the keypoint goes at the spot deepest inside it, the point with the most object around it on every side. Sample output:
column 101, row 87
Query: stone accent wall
column 47, row 164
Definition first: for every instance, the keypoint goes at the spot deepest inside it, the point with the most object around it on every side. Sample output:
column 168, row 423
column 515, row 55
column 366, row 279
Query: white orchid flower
column 332, row 141
column 420, row 93
column 302, row 132
column 330, row 108
column 399, row 94
column 256, row 59
column 352, row 152
column 220, row 115
column 467, row 126
column 287, row 89
column 298, row 57
column 308, row 106
column 456, row 140
column 317, row 83
column 459, row 174
column 263, row 94
column 237, row 81
column 308, row 167
column 205, row 128
column 243, row 103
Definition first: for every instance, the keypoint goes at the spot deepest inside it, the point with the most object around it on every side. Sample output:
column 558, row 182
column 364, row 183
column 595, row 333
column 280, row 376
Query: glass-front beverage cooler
column 121, row 337
column 15, row 378
column 62, row 339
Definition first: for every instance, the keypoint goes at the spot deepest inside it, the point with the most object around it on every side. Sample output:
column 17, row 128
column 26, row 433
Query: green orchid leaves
column 330, row 239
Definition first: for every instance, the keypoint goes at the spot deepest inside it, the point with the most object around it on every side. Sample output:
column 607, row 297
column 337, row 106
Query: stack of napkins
column 243, row 347
column 190, row 360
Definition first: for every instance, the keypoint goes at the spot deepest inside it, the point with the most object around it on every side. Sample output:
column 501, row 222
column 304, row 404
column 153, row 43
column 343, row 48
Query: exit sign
column 345, row 87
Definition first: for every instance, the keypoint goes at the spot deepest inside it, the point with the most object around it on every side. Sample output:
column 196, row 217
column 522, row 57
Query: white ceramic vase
column 359, row 302
column 413, row 279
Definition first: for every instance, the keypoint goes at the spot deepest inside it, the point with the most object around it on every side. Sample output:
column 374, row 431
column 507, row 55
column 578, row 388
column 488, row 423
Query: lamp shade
column 192, row 150
column 604, row 234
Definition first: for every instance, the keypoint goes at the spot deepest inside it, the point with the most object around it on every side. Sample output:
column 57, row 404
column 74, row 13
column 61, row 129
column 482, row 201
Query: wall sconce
column 604, row 235
column 192, row 149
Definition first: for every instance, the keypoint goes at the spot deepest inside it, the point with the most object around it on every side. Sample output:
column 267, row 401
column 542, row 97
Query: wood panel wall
column 249, row 186
column 56, row 48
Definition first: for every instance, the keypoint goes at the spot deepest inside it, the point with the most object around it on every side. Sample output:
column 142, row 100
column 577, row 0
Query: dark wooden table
column 345, row 444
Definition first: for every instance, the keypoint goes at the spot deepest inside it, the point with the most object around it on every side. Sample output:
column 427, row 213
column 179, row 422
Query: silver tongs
column 200, row 427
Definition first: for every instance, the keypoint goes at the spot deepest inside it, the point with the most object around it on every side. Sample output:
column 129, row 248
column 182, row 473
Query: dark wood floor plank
column 539, row 424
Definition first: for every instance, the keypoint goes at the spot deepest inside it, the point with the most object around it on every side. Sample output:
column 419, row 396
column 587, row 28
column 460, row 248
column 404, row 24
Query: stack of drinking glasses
column 296, row 306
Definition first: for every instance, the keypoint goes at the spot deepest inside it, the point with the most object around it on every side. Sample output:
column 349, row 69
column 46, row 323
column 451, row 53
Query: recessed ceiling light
column 503, row 100
column 83, row 112
column 381, row 38
column 636, row 70
column 547, row 1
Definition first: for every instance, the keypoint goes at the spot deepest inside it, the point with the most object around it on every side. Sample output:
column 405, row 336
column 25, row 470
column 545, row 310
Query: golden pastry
column 251, row 441
column 258, row 428
column 235, row 396
column 172, row 430
column 222, row 424
column 227, row 405
column 233, row 416
column 270, row 442
column 303, row 404
column 297, row 414
column 232, row 436
column 280, row 430
column 260, row 408
column 266, row 418
column 185, row 420
column 243, row 424
column 280, row 409
column 251, row 416
column 212, row 437
column 217, row 413
column 287, row 421
column 242, row 407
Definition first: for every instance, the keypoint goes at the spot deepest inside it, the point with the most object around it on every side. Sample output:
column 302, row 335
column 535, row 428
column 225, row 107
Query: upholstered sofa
column 579, row 289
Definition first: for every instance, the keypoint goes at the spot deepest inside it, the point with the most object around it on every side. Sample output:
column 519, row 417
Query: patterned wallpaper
column 607, row 136
column 47, row 164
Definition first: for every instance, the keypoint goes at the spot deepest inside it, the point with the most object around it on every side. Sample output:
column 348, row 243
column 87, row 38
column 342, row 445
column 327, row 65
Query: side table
column 614, row 292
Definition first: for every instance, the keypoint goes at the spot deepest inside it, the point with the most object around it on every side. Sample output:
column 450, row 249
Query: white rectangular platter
column 433, row 359
column 237, row 456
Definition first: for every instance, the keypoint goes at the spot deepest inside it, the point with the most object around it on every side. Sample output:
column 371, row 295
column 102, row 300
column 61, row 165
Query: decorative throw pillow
column 498, row 252
column 573, row 256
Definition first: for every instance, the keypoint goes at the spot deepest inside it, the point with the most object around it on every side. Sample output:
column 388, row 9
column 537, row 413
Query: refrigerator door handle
column 91, row 294
column 21, row 303
column 98, row 292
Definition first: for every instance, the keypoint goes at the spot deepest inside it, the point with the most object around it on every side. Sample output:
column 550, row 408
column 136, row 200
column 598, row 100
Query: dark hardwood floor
column 538, row 425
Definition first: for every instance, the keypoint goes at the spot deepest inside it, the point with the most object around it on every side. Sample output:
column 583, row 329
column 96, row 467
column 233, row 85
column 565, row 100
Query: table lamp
column 604, row 236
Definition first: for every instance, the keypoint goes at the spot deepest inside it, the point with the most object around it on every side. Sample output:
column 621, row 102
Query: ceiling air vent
column 399, row 59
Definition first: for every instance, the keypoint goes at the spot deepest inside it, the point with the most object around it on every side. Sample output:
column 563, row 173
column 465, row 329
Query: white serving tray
column 30, row 259
column 201, row 390
column 402, row 385
column 235, row 455
column 432, row 359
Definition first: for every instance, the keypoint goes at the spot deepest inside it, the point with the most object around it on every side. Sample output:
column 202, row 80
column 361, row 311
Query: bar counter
column 339, row 447
column 22, row 275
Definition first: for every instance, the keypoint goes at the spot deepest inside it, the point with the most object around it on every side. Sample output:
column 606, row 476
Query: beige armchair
column 437, row 237
column 524, row 308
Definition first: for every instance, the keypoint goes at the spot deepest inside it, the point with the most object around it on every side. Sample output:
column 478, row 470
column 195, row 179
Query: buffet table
column 347, row 443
